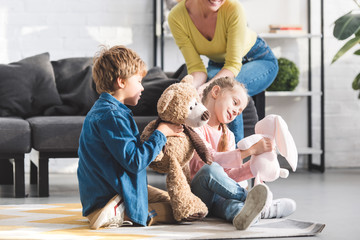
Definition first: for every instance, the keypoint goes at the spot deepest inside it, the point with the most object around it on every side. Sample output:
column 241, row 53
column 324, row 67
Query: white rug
column 64, row 221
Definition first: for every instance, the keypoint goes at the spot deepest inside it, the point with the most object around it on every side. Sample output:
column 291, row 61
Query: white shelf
column 291, row 93
column 289, row 35
column 271, row 35
column 306, row 150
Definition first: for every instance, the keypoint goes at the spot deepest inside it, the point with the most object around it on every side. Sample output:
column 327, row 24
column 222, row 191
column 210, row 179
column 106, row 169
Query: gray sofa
column 43, row 104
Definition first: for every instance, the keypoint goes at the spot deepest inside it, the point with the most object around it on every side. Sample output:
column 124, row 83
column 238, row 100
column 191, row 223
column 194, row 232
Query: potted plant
column 347, row 26
column 287, row 78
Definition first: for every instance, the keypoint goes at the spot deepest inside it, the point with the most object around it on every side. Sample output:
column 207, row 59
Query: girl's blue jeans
column 222, row 195
column 260, row 67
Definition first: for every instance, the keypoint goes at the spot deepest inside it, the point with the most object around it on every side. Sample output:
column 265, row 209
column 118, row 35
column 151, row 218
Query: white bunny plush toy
column 265, row 166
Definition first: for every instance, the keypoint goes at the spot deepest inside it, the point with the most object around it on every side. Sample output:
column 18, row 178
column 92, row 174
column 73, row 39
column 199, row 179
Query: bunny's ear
column 285, row 142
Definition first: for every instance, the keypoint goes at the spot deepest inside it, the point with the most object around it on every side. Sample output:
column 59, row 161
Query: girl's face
column 133, row 89
column 229, row 103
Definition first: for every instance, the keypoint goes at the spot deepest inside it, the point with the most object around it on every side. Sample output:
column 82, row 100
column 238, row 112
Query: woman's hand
column 203, row 77
column 223, row 73
column 199, row 79
column 201, row 89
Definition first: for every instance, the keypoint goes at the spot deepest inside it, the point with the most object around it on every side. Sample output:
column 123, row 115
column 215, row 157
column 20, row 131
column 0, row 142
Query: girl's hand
column 264, row 145
column 171, row 129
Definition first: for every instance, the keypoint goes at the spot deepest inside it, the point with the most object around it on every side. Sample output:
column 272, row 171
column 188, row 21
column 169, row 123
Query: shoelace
column 117, row 225
column 114, row 222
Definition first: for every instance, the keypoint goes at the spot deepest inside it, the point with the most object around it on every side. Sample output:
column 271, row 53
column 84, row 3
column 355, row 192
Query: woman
column 218, row 30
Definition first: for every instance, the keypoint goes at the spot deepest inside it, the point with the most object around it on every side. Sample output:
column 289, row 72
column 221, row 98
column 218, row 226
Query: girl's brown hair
column 116, row 62
column 225, row 83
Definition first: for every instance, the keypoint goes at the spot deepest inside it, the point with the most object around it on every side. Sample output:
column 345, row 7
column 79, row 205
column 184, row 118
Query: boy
column 112, row 160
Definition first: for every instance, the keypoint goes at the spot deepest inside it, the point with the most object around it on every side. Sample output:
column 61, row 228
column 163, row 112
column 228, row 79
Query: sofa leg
column 33, row 173
column 6, row 172
column 43, row 176
column 19, row 178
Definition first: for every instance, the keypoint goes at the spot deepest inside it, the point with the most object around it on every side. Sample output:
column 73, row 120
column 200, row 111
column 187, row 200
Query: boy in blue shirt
column 112, row 160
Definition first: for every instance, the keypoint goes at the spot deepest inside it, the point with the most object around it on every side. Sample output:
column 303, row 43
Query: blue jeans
column 260, row 67
column 221, row 194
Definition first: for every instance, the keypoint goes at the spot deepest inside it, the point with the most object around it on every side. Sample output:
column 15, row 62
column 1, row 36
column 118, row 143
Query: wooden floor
column 332, row 198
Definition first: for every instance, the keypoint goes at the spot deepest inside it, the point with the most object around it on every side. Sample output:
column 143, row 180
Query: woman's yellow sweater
column 231, row 41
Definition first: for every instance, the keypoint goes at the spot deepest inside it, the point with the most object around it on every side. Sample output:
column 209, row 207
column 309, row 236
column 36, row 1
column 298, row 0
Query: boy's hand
column 171, row 129
column 264, row 145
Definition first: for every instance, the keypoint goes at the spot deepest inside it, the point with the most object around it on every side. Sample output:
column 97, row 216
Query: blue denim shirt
column 112, row 160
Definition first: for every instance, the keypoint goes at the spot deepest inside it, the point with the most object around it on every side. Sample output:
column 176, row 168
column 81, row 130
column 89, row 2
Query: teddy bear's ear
column 164, row 101
column 188, row 79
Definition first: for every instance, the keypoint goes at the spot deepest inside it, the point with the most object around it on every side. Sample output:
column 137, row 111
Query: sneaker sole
column 254, row 204
column 113, row 203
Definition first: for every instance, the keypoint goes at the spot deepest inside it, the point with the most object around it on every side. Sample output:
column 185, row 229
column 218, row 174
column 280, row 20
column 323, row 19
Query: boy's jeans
column 222, row 195
column 260, row 67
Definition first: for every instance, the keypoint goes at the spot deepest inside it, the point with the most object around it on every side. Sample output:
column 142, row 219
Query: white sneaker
column 254, row 204
column 112, row 215
column 279, row 208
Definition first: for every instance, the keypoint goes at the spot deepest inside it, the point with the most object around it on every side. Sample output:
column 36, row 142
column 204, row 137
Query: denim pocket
column 260, row 50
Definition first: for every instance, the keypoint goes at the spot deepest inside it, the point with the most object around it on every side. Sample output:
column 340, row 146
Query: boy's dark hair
column 116, row 62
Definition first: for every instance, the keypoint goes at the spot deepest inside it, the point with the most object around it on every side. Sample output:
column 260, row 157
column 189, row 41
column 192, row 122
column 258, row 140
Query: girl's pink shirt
column 230, row 160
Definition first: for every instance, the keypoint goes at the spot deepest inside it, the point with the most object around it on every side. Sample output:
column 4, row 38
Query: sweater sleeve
column 240, row 37
column 177, row 23
column 231, row 160
column 228, row 159
column 240, row 174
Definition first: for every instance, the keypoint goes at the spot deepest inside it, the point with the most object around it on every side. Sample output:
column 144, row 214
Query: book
column 287, row 31
column 285, row 27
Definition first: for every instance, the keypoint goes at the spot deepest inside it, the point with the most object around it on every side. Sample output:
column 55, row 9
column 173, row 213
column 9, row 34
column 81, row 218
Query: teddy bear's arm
column 186, row 170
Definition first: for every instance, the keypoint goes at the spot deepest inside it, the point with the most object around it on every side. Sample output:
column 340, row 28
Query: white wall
column 73, row 28
column 342, row 107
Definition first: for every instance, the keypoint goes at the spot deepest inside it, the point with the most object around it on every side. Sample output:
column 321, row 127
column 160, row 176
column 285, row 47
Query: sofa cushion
column 56, row 133
column 27, row 87
column 61, row 133
column 14, row 135
column 250, row 118
column 154, row 83
column 75, row 85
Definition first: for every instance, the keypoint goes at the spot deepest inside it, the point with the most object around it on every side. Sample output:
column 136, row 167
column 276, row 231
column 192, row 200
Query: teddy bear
column 265, row 166
column 180, row 104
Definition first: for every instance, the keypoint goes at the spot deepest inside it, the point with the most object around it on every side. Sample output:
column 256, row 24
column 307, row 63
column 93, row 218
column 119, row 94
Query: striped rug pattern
column 64, row 221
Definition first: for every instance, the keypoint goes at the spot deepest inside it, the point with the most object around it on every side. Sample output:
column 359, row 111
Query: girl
column 219, row 30
column 225, row 98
